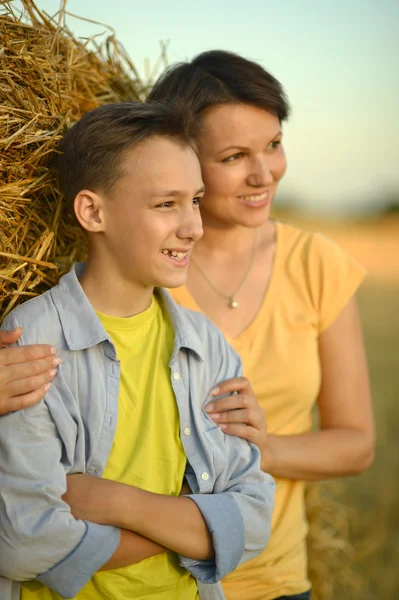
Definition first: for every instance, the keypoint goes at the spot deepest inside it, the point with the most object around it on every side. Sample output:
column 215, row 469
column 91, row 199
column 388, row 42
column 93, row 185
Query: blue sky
column 337, row 59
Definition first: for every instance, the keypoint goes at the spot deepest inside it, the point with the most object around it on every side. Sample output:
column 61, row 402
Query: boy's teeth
column 178, row 255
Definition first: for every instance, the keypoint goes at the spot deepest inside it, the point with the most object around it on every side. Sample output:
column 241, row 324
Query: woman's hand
column 239, row 414
column 25, row 372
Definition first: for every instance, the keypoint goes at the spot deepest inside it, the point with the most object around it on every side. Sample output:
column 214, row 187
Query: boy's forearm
column 132, row 549
column 176, row 523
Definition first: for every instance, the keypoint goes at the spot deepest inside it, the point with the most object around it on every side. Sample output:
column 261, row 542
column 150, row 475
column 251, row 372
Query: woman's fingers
column 230, row 403
column 237, row 384
column 25, row 385
column 10, row 337
column 11, row 404
column 246, row 416
column 238, row 413
column 25, row 354
column 243, row 431
column 25, row 372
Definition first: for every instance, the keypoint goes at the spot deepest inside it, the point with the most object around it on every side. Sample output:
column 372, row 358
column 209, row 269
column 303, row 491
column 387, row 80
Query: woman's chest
column 281, row 359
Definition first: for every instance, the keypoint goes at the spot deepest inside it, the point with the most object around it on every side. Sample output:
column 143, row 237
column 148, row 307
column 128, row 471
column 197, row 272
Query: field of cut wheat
column 374, row 524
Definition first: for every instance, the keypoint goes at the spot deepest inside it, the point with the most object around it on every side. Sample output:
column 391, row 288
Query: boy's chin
column 173, row 282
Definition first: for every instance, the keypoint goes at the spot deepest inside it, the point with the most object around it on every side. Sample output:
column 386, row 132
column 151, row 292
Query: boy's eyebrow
column 177, row 192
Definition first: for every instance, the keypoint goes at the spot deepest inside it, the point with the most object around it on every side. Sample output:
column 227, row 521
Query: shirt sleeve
column 39, row 537
column 239, row 511
column 334, row 277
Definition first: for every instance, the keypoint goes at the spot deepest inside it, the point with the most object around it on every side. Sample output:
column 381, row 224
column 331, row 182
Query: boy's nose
column 191, row 228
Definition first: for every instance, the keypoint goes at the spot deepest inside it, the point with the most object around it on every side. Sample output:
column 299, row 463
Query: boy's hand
column 25, row 372
column 239, row 414
column 185, row 489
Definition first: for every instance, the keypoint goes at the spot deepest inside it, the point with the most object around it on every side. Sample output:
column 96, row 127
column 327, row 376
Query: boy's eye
column 164, row 205
column 233, row 157
column 197, row 200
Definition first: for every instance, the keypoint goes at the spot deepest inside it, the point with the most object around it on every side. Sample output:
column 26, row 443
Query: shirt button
column 187, row 431
column 176, row 376
column 204, row 476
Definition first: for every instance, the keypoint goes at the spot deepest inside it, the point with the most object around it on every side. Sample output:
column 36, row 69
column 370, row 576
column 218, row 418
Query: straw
column 48, row 80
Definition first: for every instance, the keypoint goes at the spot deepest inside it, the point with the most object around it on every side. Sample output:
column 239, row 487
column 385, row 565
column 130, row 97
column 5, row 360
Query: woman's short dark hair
column 91, row 152
column 219, row 77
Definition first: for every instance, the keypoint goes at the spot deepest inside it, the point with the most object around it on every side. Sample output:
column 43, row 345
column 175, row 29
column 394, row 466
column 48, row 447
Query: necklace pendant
column 233, row 303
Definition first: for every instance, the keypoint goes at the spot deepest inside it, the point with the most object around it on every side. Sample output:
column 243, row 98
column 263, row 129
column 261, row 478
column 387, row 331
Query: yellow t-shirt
column 147, row 452
column 312, row 281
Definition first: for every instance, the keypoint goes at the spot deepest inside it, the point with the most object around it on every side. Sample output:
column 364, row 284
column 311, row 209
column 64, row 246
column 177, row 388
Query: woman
column 284, row 299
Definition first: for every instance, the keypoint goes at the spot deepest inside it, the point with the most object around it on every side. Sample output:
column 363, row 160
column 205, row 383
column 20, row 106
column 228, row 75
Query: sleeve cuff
column 226, row 526
column 70, row 575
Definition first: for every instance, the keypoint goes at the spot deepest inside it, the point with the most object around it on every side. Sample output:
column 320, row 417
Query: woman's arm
column 345, row 443
column 25, row 372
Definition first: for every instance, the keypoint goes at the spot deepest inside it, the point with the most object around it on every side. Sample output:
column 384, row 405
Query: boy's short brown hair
column 91, row 152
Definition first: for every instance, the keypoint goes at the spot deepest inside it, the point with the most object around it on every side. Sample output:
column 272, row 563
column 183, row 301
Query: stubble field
column 374, row 525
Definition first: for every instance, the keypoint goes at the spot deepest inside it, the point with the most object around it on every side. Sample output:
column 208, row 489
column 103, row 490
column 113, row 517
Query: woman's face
column 242, row 161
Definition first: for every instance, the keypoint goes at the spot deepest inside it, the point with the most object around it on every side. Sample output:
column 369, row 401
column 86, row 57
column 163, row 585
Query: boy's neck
column 109, row 293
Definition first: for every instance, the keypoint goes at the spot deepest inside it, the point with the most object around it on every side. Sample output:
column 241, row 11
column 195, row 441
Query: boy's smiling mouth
column 176, row 256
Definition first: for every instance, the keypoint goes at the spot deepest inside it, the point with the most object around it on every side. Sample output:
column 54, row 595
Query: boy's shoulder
column 38, row 318
column 200, row 322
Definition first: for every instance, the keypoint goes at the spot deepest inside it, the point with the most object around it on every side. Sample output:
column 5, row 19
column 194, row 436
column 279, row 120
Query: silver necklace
column 231, row 298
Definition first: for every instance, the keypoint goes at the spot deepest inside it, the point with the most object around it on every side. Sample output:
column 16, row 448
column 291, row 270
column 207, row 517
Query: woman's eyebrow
column 233, row 147
column 245, row 148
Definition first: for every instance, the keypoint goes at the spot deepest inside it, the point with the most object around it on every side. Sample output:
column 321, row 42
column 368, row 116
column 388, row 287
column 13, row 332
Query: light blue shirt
column 72, row 431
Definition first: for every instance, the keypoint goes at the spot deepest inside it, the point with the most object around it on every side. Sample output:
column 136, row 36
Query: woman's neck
column 222, row 243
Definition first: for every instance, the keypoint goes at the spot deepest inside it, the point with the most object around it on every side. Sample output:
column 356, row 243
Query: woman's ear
column 88, row 208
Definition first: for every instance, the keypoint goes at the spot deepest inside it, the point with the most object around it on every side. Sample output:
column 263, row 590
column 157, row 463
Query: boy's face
column 152, row 218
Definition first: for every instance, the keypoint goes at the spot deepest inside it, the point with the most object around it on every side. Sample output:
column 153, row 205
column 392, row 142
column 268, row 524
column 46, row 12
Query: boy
column 127, row 402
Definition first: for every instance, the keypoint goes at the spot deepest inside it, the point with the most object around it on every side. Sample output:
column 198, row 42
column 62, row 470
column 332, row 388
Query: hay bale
column 48, row 80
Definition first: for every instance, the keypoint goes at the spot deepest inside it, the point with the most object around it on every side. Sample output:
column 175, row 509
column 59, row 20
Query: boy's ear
column 88, row 208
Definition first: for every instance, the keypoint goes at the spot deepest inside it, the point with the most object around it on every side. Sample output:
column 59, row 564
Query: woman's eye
column 164, row 205
column 274, row 145
column 233, row 157
column 197, row 200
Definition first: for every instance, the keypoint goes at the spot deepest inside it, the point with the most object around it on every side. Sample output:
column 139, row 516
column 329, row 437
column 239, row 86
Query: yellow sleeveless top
column 312, row 281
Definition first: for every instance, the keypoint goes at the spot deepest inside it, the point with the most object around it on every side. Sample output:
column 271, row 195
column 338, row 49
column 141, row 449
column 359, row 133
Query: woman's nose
column 260, row 174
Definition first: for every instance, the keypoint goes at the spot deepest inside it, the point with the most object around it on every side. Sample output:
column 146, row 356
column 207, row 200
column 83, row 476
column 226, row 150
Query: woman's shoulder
column 307, row 246
column 314, row 262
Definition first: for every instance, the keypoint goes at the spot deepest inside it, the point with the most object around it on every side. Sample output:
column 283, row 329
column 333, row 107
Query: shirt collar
column 186, row 334
column 82, row 328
